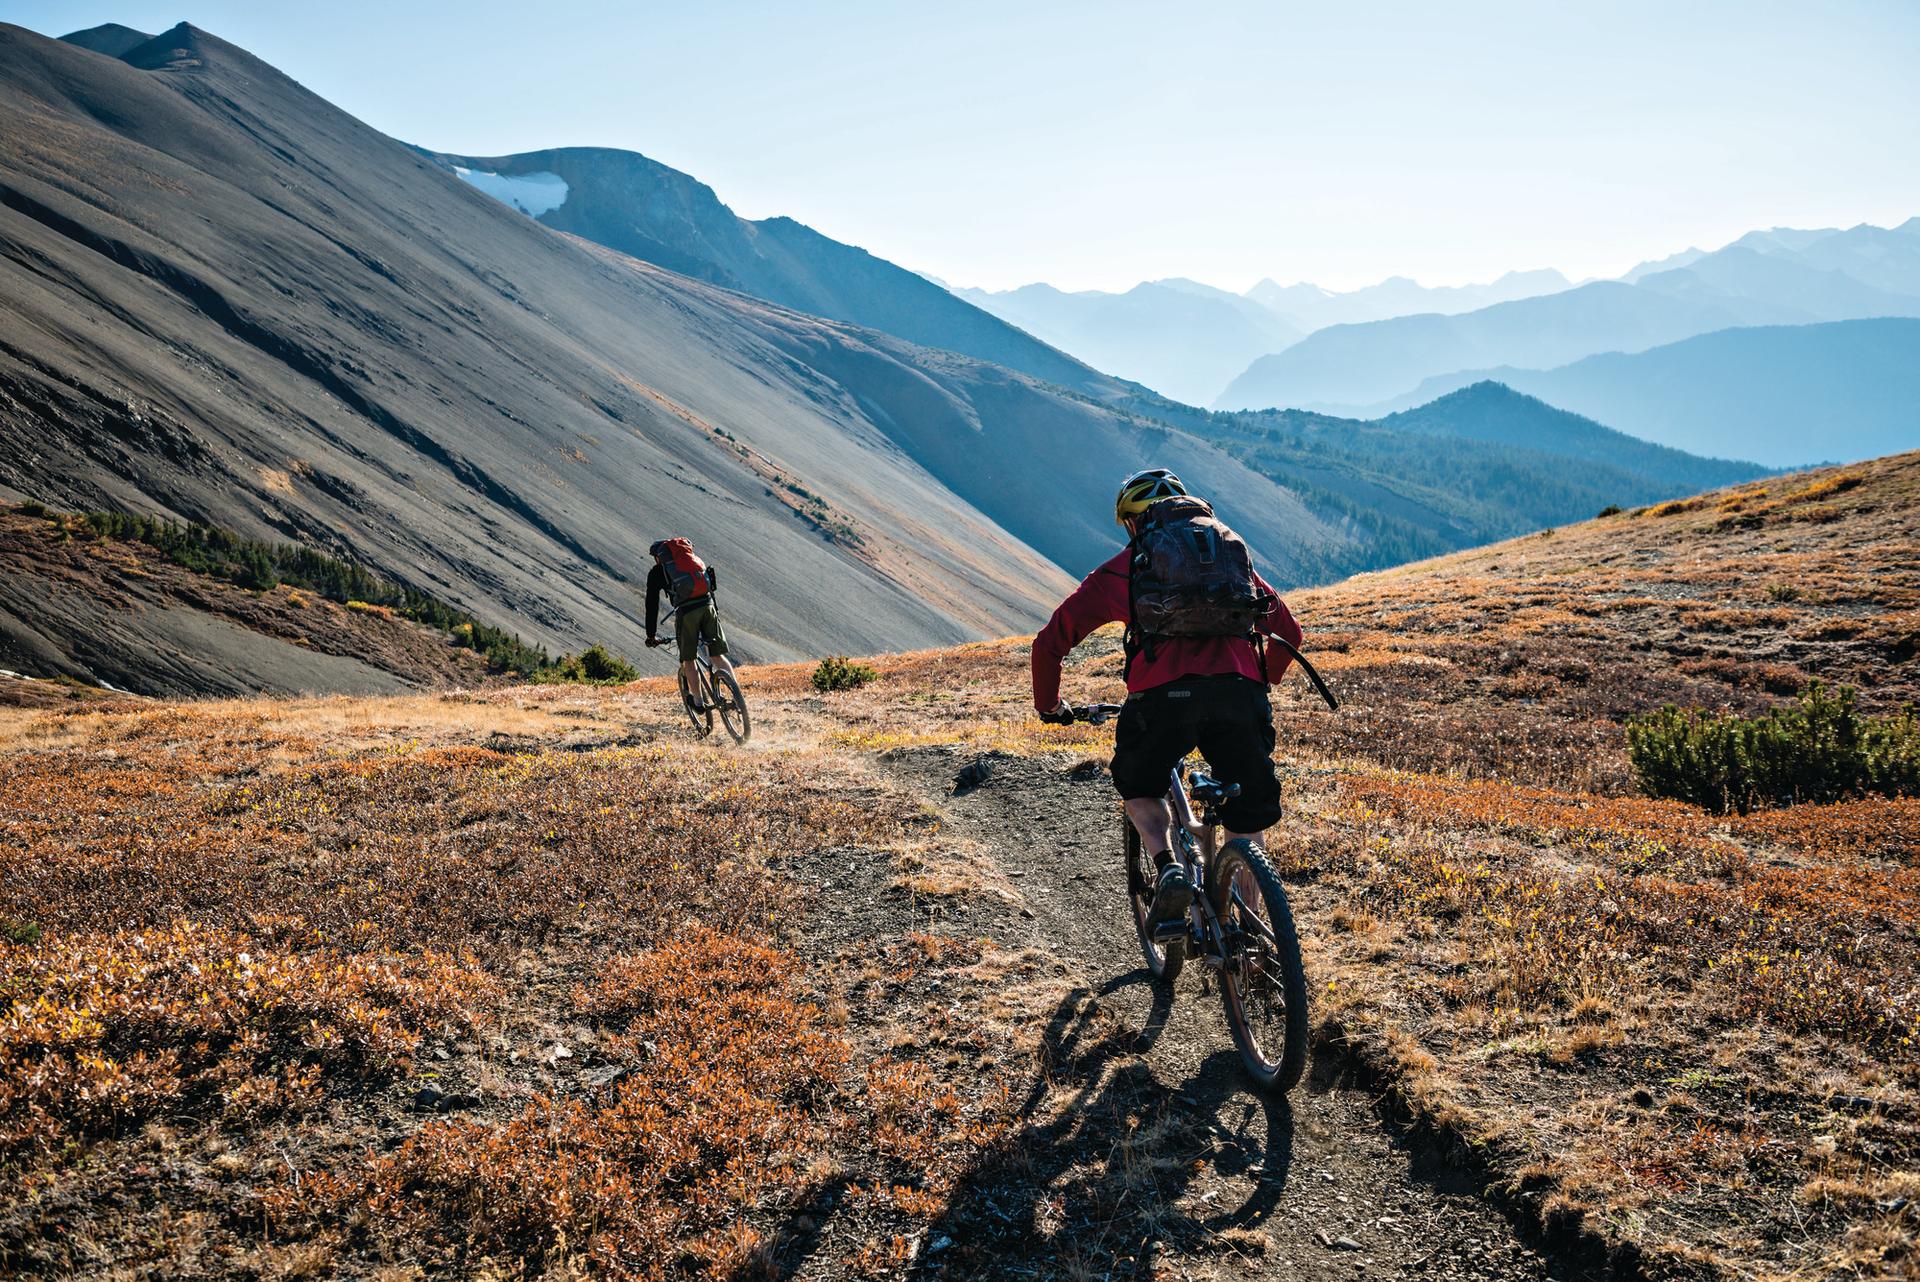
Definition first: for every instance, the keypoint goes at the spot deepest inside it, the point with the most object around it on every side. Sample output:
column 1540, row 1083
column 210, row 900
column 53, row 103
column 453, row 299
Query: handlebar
column 1094, row 714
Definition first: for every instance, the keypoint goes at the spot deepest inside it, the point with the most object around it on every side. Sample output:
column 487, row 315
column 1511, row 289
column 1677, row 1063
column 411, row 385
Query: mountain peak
column 1535, row 275
column 109, row 38
column 184, row 46
column 1487, row 389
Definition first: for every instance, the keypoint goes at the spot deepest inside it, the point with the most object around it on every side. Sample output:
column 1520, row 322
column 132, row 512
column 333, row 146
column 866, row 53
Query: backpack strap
column 1133, row 641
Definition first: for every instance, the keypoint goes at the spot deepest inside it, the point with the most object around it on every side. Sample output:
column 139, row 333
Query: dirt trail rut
column 1148, row 1154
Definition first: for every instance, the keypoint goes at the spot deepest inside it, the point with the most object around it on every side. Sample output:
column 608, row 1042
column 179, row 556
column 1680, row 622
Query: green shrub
column 32, row 509
column 595, row 665
column 1819, row 749
column 837, row 672
column 19, row 932
column 1611, row 509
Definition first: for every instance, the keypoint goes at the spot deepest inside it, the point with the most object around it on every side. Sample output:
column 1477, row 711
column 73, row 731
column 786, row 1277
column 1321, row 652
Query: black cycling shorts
column 1228, row 718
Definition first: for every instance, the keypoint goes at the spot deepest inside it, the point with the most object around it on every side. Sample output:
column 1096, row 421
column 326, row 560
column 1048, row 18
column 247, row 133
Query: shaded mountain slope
column 1498, row 415
column 233, row 302
column 1781, row 394
column 1479, row 464
column 650, row 211
column 113, row 611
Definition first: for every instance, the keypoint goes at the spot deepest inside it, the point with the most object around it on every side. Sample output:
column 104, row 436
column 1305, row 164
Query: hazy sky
column 1095, row 145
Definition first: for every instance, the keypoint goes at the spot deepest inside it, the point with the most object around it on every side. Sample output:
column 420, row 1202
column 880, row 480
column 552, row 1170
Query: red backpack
column 686, row 573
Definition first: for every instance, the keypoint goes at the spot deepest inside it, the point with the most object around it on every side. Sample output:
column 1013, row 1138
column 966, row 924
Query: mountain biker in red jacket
column 695, row 615
column 1183, row 693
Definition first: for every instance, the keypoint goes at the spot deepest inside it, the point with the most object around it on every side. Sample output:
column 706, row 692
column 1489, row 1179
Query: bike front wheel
column 702, row 721
column 1165, row 955
column 1262, row 982
column 732, row 705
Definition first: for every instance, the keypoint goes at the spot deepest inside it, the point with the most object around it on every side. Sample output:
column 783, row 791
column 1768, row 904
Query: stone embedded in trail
column 978, row 771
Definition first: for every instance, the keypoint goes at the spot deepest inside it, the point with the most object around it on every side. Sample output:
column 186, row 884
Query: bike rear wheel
column 1262, row 983
column 702, row 721
column 1164, row 956
column 732, row 705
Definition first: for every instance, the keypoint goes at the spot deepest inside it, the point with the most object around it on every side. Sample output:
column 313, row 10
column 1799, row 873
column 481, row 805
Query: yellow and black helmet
column 1143, row 489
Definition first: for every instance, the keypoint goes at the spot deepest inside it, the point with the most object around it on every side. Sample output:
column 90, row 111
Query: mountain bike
column 1239, row 923
column 719, row 692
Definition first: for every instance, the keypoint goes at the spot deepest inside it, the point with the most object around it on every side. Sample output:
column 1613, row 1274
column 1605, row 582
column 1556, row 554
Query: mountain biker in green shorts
column 1195, row 676
column 691, row 583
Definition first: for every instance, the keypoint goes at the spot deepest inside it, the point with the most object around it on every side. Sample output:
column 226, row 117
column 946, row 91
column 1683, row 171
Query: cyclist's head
column 1143, row 489
column 658, row 550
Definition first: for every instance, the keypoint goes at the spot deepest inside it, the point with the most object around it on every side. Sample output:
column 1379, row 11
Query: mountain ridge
column 1179, row 338
column 1801, row 394
column 1782, row 277
column 688, row 229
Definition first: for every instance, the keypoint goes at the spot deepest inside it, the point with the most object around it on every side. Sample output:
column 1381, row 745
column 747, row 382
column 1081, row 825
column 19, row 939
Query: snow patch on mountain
column 531, row 194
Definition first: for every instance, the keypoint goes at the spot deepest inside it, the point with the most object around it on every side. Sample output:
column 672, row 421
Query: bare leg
column 1153, row 821
column 723, row 664
column 1257, row 838
column 690, row 673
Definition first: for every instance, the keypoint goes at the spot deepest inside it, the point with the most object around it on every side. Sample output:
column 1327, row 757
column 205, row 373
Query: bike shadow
column 1114, row 1163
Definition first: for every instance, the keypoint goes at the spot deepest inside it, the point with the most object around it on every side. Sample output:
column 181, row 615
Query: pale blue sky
column 1095, row 145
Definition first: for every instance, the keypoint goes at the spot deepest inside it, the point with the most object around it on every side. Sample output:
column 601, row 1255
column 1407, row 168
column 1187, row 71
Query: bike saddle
column 1205, row 788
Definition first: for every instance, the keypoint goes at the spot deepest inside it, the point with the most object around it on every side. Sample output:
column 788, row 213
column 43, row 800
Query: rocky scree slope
column 118, row 613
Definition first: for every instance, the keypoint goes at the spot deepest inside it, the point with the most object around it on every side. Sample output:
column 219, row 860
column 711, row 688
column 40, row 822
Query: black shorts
column 1228, row 718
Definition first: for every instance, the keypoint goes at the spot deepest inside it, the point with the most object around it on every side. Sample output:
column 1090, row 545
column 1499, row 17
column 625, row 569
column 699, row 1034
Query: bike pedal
column 1170, row 929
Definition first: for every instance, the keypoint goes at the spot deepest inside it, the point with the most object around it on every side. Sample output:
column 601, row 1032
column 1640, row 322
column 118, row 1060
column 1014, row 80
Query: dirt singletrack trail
column 1147, row 1153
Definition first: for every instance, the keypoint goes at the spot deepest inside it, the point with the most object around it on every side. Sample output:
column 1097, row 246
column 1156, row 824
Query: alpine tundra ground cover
column 294, row 986
column 523, row 981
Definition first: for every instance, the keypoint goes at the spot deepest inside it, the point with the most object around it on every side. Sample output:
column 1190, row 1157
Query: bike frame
column 700, row 648
column 1198, row 839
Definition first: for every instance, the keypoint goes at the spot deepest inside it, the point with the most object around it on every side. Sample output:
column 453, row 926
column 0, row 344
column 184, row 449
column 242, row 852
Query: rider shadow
column 1115, row 1163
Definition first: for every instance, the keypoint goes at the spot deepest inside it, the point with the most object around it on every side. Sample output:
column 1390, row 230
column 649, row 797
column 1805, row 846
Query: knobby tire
column 732, row 705
column 1262, row 976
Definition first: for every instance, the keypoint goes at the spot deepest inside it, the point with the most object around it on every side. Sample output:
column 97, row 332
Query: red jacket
column 1102, row 598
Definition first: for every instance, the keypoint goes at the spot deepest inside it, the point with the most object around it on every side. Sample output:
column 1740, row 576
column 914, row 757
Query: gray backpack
column 1190, row 576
